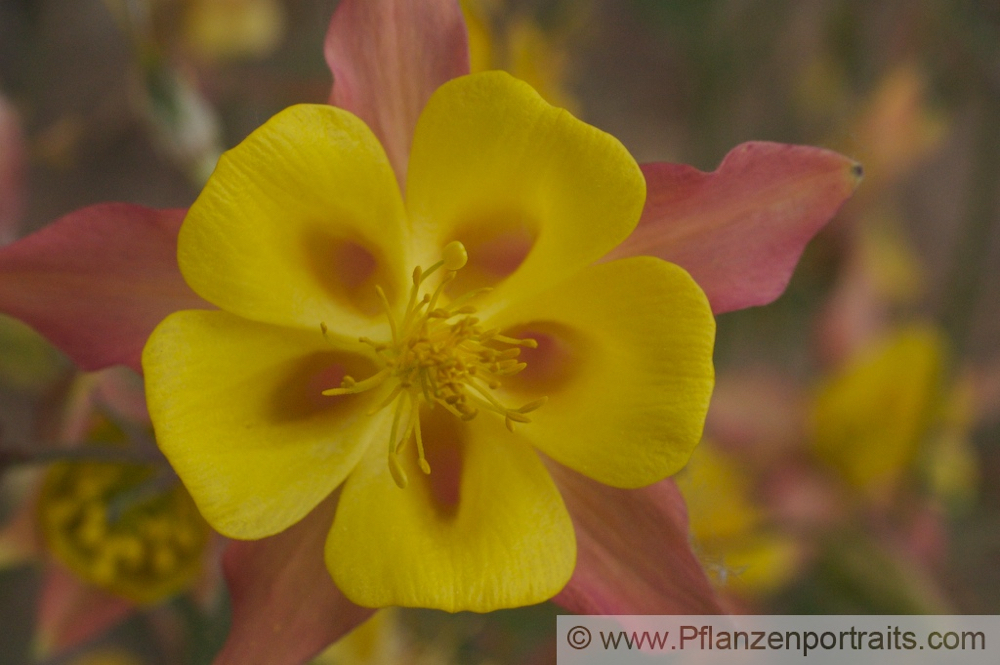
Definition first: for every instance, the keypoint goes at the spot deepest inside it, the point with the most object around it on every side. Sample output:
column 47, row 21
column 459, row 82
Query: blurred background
column 851, row 461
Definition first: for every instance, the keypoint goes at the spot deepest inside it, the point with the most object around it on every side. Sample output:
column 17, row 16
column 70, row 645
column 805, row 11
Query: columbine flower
column 888, row 430
column 518, row 45
column 103, row 521
column 892, row 409
column 115, row 529
column 98, row 281
column 427, row 396
column 219, row 29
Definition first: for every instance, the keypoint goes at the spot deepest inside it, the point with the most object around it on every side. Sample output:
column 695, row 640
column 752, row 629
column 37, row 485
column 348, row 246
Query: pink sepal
column 740, row 230
column 387, row 57
column 633, row 553
column 286, row 608
column 97, row 281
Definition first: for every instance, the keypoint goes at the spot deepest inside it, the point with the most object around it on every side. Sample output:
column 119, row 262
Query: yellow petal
column 950, row 461
column 625, row 359
column 380, row 640
column 481, row 46
column 532, row 192
column 238, row 411
column 298, row 224
column 717, row 491
column 868, row 420
column 245, row 28
column 485, row 530
column 756, row 563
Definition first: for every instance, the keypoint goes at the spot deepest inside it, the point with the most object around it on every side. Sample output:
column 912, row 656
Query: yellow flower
column 101, row 522
column 378, row 641
column 741, row 550
column 518, row 45
column 219, row 29
column 870, row 419
column 361, row 332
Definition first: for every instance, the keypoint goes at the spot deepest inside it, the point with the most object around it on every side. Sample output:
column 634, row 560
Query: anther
column 531, row 406
column 454, row 256
column 349, row 386
column 529, row 343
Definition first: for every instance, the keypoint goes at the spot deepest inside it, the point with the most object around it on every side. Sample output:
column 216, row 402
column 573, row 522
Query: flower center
column 117, row 528
column 439, row 356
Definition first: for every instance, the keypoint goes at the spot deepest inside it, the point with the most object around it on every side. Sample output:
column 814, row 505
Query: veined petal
column 387, row 57
column 740, row 230
column 625, row 359
column 238, row 410
column 97, row 281
column 532, row 192
column 633, row 554
column 286, row 608
column 298, row 224
column 485, row 530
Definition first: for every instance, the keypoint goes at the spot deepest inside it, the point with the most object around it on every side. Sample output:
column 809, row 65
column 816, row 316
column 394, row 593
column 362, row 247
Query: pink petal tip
column 387, row 57
column 741, row 229
column 97, row 281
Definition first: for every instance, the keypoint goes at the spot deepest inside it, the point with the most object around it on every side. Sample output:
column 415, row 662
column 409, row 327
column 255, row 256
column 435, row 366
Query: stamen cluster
column 440, row 355
column 117, row 527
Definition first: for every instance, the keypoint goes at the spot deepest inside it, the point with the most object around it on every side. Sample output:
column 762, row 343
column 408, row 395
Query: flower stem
column 20, row 456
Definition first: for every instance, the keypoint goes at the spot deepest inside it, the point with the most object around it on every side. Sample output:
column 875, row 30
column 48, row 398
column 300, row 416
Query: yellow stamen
column 454, row 256
column 439, row 355
column 398, row 475
column 116, row 526
column 531, row 406
column 422, row 460
column 349, row 386
column 388, row 312
column 393, row 445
